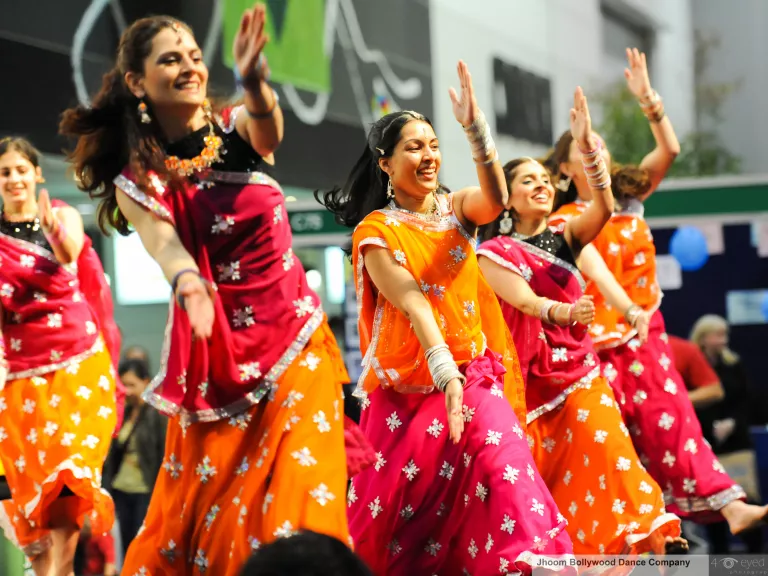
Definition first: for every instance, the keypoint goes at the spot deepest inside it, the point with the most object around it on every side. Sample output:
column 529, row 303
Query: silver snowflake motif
column 640, row 397
column 511, row 474
column 243, row 317
column 249, row 371
column 472, row 549
column 508, row 525
column 288, row 260
column 243, row 467
column 394, row 548
column 211, row 516
column 582, row 415
column 488, row 544
column 600, row 436
column 691, row 446
column 618, row 506
column 222, row 224
column 493, row 437
column 310, row 361
column 54, row 320
column 375, row 507
column 322, row 495
column 664, row 361
column 669, row 459
column 304, row 306
column 469, row 308
column 169, row 552
column 411, row 470
column 241, row 421
column 380, row 461
column 573, row 508
column 548, row 444
column 407, row 512
column 27, row 261
column 292, row 399
column 228, row 272
column 322, row 422
column 351, row 495
column 559, row 355
column 399, row 257
column 537, row 507
column 589, row 498
column 666, row 421
column 304, row 457
column 526, row 271
column 285, row 531
column 568, row 477
column 636, row 368
column 446, row 471
column 205, row 470
column 467, row 413
column 435, row 428
column 458, row 254
column 670, row 386
column 389, row 221
column 432, row 547
column 481, row 492
column 393, row 422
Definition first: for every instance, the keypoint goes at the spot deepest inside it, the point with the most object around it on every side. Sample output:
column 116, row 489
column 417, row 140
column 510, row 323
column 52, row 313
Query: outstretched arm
column 581, row 230
column 398, row 286
column 593, row 265
column 513, row 289
column 660, row 159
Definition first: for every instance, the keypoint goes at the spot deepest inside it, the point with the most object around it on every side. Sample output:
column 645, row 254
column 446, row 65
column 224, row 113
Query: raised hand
column 581, row 122
column 249, row 44
column 454, row 400
column 584, row 310
column 464, row 104
column 45, row 213
column 199, row 307
column 636, row 74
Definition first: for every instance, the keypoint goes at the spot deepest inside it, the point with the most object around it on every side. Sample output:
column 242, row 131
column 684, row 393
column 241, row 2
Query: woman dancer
column 454, row 488
column 57, row 390
column 251, row 374
column 580, row 443
column 654, row 404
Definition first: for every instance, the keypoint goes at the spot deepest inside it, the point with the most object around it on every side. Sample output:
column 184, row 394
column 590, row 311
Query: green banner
column 295, row 50
column 313, row 222
column 735, row 199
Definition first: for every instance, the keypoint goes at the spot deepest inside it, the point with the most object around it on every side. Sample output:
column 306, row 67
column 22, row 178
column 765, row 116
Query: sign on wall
column 523, row 103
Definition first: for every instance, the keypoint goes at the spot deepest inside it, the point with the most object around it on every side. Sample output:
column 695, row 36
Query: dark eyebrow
column 532, row 174
column 419, row 140
column 178, row 52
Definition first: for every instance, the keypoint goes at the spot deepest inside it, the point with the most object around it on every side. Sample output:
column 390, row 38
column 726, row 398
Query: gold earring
column 143, row 113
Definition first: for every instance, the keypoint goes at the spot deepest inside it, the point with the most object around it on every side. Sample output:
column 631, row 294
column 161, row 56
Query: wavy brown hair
column 629, row 182
column 110, row 135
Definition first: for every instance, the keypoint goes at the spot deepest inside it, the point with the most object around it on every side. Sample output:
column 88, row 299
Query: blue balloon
column 689, row 247
column 764, row 307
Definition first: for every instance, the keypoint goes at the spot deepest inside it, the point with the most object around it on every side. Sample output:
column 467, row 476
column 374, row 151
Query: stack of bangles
column 653, row 106
column 442, row 366
column 176, row 288
column 633, row 314
column 479, row 135
column 594, row 167
column 547, row 311
column 57, row 237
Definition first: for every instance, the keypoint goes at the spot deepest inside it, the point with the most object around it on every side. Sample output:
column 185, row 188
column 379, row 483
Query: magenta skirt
column 429, row 506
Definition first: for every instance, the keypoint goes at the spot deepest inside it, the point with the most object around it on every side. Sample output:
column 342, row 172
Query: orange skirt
column 55, row 432
column 586, row 457
column 228, row 486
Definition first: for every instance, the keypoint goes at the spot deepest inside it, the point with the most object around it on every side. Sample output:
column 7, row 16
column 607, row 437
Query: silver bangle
column 442, row 366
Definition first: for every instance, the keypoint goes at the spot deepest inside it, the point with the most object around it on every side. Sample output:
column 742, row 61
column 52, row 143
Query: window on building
column 622, row 30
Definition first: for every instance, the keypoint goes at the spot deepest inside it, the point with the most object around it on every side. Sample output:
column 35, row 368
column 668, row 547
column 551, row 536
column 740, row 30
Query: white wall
column 741, row 57
column 557, row 39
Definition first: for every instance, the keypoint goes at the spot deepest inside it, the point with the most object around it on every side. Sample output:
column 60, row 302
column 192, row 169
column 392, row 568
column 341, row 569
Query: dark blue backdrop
column 703, row 292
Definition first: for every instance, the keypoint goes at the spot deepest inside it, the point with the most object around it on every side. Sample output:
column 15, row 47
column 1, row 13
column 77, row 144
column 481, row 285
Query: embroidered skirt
column 55, row 433
column 664, row 427
column 429, row 506
column 586, row 457
column 228, row 486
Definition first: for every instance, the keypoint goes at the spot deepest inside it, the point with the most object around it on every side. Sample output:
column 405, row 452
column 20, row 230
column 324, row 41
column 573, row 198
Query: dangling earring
column 143, row 114
column 564, row 183
column 505, row 226
column 207, row 109
column 390, row 190
column 40, row 180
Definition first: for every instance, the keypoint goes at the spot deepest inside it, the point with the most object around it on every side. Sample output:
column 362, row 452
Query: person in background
column 98, row 553
column 704, row 388
column 136, row 454
column 726, row 423
column 306, row 554
column 136, row 352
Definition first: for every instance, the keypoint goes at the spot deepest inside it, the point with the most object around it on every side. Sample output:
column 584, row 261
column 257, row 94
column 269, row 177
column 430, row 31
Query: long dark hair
column 109, row 133
column 366, row 187
column 22, row 146
column 491, row 230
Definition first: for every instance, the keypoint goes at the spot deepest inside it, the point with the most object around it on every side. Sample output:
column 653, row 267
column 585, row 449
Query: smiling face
column 415, row 160
column 175, row 76
column 531, row 193
column 18, row 182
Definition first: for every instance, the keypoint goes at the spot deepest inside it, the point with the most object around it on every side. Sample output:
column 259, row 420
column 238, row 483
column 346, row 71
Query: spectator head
column 135, row 376
column 306, row 554
column 710, row 333
column 136, row 352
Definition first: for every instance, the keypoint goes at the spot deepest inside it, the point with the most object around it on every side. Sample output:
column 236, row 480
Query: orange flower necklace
column 211, row 153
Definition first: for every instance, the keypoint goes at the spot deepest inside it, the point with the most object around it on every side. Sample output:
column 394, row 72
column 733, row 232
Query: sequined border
column 447, row 221
column 30, row 550
column 666, row 518
column 42, row 252
column 369, row 360
column 715, row 502
column 97, row 346
column 267, row 383
column 583, row 382
column 232, row 117
column 552, row 259
column 135, row 193
column 241, row 178
column 503, row 262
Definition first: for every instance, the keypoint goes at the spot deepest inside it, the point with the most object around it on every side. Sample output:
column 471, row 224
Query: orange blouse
column 440, row 255
column 626, row 245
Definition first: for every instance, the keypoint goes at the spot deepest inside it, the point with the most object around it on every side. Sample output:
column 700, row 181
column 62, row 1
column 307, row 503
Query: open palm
column 249, row 45
column 636, row 74
column 464, row 104
column 45, row 210
column 581, row 122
